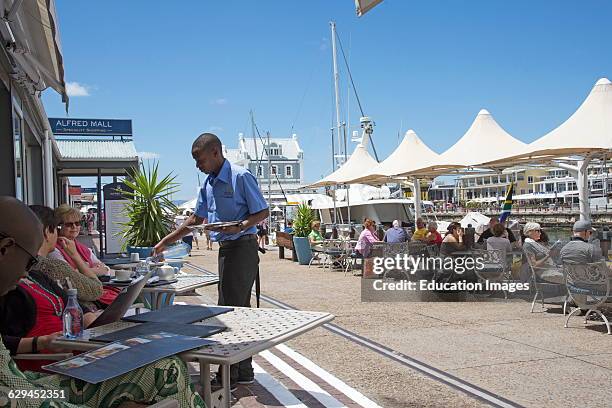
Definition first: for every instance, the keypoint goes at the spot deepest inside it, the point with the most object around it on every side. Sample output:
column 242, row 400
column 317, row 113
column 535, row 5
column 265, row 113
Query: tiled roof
column 97, row 149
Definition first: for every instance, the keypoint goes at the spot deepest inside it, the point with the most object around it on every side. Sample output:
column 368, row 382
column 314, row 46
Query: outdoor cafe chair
column 589, row 286
column 391, row 250
column 495, row 266
column 540, row 284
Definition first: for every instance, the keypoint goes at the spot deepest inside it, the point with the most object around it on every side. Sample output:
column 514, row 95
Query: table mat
column 194, row 330
column 179, row 314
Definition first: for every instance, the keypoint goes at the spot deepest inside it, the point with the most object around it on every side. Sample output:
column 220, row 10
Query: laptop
column 116, row 310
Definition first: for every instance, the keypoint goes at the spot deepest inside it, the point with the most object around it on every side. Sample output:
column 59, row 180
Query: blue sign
column 90, row 127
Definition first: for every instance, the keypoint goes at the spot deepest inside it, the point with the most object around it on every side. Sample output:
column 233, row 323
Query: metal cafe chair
column 589, row 286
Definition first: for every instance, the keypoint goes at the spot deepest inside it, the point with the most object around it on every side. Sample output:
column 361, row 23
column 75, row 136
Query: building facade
column 283, row 172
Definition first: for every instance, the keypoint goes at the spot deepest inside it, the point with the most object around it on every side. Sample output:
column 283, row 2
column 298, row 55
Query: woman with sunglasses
column 88, row 286
column 31, row 314
column 69, row 249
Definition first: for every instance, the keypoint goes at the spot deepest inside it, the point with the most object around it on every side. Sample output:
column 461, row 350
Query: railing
column 560, row 209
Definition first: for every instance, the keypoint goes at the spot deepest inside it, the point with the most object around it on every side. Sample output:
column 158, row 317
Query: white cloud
column 76, row 89
column 148, row 155
column 219, row 101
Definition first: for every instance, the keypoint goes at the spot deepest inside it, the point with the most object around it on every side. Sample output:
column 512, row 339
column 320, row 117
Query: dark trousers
column 238, row 267
column 189, row 241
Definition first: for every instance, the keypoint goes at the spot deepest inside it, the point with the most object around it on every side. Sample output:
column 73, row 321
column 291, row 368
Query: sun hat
column 531, row 226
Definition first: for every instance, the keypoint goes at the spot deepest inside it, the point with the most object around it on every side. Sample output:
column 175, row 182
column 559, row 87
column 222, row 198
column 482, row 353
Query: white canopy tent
column 484, row 141
column 410, row 154
column 354, row 167
column 588, row 133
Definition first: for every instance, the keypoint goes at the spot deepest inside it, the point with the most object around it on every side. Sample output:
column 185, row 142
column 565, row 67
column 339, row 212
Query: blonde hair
column 315, row 224
column 64, row 211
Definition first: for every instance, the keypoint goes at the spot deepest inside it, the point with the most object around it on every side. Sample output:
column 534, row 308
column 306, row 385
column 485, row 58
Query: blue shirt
column 395, row 235
column 231, row 195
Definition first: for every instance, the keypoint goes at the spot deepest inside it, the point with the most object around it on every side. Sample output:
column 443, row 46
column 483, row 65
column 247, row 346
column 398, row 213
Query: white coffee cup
column 135, row 257
column 123, row 274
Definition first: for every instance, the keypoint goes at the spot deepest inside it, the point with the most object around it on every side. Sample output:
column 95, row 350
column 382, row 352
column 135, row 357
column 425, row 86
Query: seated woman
column 433, row 237
column 83, row 259
column 366, row 238
column 453, row 240
column 499, row 242
column 31, row 317
column 87, row 284
column 165, row 379
column 539, row 256
column 315, row 238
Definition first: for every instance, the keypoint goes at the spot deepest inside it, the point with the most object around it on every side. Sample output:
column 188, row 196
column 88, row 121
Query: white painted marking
column 304, row 382
column 282, row 394
column 329, row 378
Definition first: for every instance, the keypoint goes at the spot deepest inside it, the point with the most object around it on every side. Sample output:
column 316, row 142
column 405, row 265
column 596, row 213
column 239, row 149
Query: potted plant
column 301, row 229
column 150, row 212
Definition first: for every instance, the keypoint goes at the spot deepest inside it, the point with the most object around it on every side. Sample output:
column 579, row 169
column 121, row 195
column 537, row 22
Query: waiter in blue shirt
column 230, row 193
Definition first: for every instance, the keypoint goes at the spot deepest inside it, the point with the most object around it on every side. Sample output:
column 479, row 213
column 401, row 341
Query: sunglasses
column 32, row 262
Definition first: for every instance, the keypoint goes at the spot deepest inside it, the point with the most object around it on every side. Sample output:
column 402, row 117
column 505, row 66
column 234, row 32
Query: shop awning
column 85, row 157
column 32, row 37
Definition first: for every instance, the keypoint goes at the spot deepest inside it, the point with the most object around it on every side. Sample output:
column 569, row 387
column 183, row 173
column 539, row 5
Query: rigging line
column 348, row 69
column 299, row 111
column 267, row 153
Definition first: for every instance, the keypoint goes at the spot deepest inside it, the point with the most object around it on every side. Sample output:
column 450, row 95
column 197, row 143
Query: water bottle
column 73, row 317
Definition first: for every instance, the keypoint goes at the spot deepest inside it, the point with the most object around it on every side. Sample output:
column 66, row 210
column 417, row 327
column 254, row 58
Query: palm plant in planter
column 301, row 228
column 150, row 212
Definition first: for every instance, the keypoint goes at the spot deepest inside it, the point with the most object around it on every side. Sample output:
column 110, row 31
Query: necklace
column 57, row 308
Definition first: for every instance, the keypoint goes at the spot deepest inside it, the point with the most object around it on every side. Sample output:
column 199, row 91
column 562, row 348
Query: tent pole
column 417, row 199
column 582, row 183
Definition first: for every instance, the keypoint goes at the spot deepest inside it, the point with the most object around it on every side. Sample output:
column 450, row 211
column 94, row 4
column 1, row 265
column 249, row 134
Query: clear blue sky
column 180, row 68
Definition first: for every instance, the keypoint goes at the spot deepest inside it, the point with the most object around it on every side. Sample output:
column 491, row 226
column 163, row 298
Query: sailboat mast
column 336, row 87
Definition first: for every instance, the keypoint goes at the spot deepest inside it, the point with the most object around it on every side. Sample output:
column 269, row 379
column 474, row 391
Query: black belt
column 247, row 237
column 242, row 238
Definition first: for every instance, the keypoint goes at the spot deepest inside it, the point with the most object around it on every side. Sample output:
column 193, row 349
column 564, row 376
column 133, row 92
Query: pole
column 333, row 169
column 582, row 183
column 348, row 188
column 269, row 181
column 100, row 212
column 255, row 145
column 417, row 199
column 336, row 84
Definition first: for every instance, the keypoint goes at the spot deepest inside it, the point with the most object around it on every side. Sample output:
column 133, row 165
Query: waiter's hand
column 230, row 230
column 159, row 248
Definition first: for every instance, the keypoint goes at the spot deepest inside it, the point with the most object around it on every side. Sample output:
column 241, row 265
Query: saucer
column 115, row 280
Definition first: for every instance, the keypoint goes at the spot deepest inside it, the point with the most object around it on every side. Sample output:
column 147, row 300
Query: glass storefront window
column 18, row 155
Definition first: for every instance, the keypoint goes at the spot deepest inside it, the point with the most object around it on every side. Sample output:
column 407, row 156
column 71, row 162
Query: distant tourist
column 395, row 234
column 539, row 256
column 420, row 232
column 453, row 240
column 488, row 233
column 579, row 250
column 499, row 242
column 433, row 236
column 262, row 233
column 367, row 238
column 315, row 238
column 289, row 227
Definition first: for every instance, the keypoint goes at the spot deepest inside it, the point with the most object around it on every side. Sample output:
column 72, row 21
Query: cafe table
column 249, row 331
column 187, row 282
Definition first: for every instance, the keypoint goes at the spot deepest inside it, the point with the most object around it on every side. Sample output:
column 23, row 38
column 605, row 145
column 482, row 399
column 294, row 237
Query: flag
column 507, row 205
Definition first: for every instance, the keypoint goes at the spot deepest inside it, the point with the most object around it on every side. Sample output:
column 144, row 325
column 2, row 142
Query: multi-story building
column 285, row 170
column 492, row 185
column 532, row 183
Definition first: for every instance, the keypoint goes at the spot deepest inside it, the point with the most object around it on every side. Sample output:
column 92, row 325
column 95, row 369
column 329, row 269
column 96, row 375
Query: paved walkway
column 500, row 348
